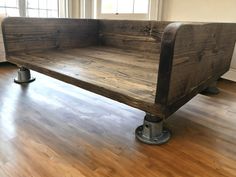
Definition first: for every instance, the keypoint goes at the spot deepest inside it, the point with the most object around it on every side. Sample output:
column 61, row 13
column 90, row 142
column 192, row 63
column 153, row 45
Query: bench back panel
column 132, row 35
column 199, row 54
column 26, row 34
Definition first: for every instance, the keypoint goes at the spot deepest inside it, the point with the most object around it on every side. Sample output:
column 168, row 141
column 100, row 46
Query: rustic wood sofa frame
column 153, row 66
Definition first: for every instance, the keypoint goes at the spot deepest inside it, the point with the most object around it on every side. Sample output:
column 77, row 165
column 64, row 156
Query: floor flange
column 152, row 131
column 211, row 89
column 23, row 76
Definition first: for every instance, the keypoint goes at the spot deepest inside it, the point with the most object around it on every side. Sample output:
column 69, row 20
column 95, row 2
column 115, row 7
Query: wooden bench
column 153, row 66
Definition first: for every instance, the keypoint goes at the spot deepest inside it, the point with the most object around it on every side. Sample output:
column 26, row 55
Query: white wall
column 202, row 11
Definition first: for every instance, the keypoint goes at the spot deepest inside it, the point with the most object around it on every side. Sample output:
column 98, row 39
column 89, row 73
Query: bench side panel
column 199, row 55
column 27, row 34
column 132, row 35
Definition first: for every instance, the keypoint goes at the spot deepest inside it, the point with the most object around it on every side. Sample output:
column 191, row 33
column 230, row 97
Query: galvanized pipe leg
column 152, row 131
column 23, row 76
column 212, row 89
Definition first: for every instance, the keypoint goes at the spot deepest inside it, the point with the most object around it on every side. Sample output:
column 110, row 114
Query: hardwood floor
column 52, row 129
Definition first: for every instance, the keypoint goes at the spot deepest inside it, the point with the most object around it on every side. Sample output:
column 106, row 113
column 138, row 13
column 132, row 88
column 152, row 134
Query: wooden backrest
column 26, row 34
column 134, row 35
column 193, row 55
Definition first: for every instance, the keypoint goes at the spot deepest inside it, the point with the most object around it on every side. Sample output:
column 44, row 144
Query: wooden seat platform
column 104, row 70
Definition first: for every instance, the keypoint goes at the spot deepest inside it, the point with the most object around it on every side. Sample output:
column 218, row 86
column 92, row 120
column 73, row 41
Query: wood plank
column 134, row 35
column 132, row 58
column 206, row 52
column 119, row 76
column 193, row 56
column 26, row 34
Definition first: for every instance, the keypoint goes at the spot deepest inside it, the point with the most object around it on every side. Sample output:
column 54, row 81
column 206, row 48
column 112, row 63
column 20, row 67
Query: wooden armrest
column 193, row 55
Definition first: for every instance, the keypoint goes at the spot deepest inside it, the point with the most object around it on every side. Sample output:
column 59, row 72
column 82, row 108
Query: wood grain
column 192, row 57
column 203, row 54
column 100, row 70
column 51, row 129
column 125, row 34
column 27, row 34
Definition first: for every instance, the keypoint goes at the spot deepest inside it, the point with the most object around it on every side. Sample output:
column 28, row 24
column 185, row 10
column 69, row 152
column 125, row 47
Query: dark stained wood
column 27, row 34
column 125, row 34
column 166, row 60
column 205, row 53
column 107, row 71
column 119, row 59
column 49, row 129
column 192, row 57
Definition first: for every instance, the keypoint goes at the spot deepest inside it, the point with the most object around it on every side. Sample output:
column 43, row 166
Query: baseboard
column 230, row 75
